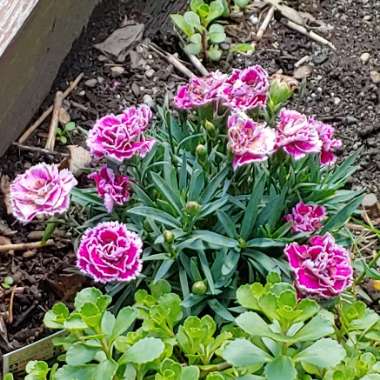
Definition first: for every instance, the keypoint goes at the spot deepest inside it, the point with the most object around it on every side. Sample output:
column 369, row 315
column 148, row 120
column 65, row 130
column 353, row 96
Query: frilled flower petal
column 296, row 135
column 246, row 89
column 199, row 91
column 306, row 217
column 120, row 137
column 329, row 143
column 249, row 141
column 114, row 189
column 109, row 252
column 322, row 268
column 43, row 190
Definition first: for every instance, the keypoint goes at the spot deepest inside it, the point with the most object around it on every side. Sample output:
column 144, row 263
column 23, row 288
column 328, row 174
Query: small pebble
column 375, row 76
column 365, row 58
column 91, row 83
column 149, row 73
column 148, row 100
column 35, row 235
column 102, row 58
column 117, row 71
column 29, row 254
column 100, row 80
column 337, row 101
column 82, row 93
column 253, row 19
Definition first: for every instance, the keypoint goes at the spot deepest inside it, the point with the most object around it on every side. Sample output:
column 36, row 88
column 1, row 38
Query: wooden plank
column 32, row 55
column 13, row 14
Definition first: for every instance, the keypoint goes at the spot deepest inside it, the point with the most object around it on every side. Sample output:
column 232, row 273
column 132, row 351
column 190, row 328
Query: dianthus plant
column 224, row 184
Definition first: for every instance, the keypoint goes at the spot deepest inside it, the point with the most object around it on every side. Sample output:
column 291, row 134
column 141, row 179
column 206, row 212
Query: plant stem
column 204, row 44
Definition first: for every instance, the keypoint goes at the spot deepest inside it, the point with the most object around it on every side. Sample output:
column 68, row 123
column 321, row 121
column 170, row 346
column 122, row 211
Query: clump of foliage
column 207, row 227
column 279, row 337
column 198, row 25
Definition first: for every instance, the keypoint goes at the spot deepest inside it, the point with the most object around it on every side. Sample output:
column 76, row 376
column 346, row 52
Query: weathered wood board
column 35, row 36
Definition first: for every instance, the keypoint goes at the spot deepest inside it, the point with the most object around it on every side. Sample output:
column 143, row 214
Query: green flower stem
column 215, row 367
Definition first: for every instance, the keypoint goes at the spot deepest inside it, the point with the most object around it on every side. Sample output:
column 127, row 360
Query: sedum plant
column 279, row 337
column 292, row 338
column 203, row 34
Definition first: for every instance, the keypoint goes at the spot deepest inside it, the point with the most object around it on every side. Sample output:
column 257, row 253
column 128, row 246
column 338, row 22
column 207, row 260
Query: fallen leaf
column 118, row 43
column 290, row 81
column 79, row 159
column 303, row 72
column 5, row 189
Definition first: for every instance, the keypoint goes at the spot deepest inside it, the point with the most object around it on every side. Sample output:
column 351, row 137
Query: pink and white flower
column 199, row 91
column 43, row 190
column 329, row 143
column 296, row 135
column 322, row 268
column 249, row 141
column 109, row 252
column 112, row 188
column 306, row 217
column 246, row 89
column 121, row 137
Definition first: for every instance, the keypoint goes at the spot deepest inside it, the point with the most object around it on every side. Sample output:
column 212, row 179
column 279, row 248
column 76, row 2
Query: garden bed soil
column 339, row 90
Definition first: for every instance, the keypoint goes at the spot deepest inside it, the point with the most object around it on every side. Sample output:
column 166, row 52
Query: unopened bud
column 210, row 128
column 192, row 208
column 242, row 243
column 201, row 152
column 199, row 288
column 168, row 236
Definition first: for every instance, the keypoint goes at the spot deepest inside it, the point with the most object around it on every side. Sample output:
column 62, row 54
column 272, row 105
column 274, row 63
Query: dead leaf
column 5, row 189
column 290, row 81
column 303, row 72
column 118, row 43
column 291, row 14
column 79, row 159
column 63, row 116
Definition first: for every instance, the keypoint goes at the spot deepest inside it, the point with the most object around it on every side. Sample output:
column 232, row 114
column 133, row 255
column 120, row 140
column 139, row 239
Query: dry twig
column 172, row 60
column 25, row 246
column 265, row 23
column 198, row 64
column 314, row 36
column 50, row 143
column 45, row 115
column 10, row 309
column 40, row 150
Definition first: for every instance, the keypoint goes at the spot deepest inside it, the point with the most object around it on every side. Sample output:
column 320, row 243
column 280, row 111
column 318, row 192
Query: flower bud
column 199, row 288
column 201, row 152
column 168, row 236
column 192, row 208
column 242, row 243
column 280, row 91
column 210, row 128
